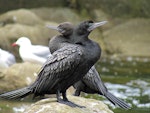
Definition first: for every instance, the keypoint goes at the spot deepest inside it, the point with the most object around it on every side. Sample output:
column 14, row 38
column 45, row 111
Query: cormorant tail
column 16, row 94
column 117, row 101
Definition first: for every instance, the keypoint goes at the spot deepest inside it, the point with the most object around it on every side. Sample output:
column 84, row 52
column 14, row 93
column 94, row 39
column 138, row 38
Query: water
column 127, row 78
column 13, row 106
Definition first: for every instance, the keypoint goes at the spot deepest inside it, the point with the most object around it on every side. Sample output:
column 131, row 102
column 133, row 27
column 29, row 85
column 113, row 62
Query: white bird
column 6, row 59
column 32, row 53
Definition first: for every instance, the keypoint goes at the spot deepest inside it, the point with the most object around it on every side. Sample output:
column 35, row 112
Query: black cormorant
column 65, row 67
column 91, row 82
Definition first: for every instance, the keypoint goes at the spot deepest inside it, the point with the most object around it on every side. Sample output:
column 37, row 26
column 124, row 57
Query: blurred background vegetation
column 115, row 8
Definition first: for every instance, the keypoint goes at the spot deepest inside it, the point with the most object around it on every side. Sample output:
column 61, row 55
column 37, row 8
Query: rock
column 60, row 15
column 22, row 16
column 51, row 106
column 17, row 76
column 37, row 34
column 130, row 38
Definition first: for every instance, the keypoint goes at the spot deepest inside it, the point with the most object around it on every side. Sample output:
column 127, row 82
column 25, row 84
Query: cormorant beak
column 62, row 31
column 52, row 27
column 95, row 25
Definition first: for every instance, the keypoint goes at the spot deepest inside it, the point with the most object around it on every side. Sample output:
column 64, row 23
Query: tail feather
column 117, row 101
column 16, row 94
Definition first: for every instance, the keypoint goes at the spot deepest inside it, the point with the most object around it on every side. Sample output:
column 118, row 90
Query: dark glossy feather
column 92, row 83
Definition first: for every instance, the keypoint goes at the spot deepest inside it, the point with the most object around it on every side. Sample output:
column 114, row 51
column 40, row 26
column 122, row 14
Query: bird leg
column 77, row 93
column 58, row 96
column 65, row 100
column 64, row 96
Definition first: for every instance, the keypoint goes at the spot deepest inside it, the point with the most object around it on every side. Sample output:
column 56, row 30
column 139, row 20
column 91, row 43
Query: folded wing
column 58, row 67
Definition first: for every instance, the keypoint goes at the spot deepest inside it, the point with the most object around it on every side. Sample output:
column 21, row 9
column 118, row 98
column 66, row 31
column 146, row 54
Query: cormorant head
column 65, row 28
column 87, row 26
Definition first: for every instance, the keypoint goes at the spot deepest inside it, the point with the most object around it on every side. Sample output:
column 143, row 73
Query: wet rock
column 51, row 106
column 18, row 76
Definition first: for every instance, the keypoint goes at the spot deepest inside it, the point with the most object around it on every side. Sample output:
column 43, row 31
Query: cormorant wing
column 92, row 80
column 58, row 67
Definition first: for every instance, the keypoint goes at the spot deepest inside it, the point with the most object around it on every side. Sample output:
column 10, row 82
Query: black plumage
column 59, row 41
column 66, row 66
column 91, row 83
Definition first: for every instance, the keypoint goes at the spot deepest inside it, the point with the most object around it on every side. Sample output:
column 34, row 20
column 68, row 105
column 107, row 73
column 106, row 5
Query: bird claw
column 69, row 103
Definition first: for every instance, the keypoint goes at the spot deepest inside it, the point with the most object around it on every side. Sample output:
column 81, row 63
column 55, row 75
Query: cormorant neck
column 79, row 39
column 80, row 35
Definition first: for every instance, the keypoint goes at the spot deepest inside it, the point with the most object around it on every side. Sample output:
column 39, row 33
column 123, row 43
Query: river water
column 126, row 77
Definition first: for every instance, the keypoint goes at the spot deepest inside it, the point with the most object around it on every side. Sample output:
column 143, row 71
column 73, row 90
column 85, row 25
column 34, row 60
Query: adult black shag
column 91, row 82
column 65, row 67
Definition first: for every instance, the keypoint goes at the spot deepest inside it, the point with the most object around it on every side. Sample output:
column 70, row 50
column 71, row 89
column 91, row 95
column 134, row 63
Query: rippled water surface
column 127, row 78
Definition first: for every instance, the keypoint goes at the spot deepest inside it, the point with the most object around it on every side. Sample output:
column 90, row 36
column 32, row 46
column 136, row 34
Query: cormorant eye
column 90, row 21
column 90, row 24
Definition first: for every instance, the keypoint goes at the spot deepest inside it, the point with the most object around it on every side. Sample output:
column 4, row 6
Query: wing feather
column 92, row 80
column 58, row 67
